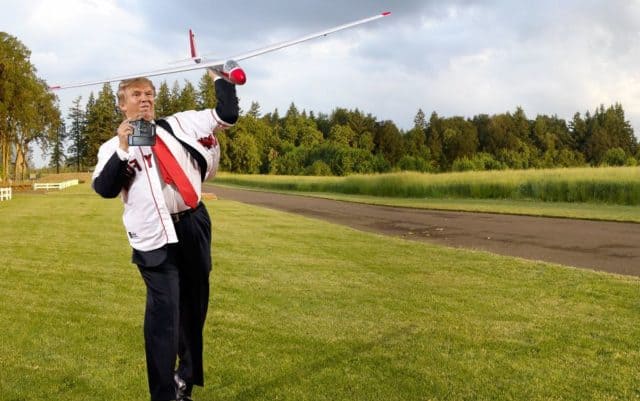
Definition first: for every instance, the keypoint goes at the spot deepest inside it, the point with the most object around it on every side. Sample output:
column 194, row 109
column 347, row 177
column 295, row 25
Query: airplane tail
column 194, row 52
column 229, row 71
column 192, row 44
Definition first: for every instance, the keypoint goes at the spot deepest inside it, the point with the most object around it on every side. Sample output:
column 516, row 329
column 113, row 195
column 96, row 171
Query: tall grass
column 611, row 185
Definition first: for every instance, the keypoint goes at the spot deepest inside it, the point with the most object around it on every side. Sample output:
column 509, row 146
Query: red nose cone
column 237, row 76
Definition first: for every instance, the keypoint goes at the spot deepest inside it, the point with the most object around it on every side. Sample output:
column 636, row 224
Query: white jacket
column 146, row 217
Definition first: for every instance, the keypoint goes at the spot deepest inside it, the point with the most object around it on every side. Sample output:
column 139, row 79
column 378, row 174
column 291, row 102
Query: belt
column 176, row 217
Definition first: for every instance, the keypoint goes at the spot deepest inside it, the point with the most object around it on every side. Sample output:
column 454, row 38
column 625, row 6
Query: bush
column 569, row 158
column 479, row 162
column 462, row 164
column 615, row 157
column 318, row 168
column 291, row 163
column 411, row 163
column 380, row 165
column 343, row 160
column 513, row 159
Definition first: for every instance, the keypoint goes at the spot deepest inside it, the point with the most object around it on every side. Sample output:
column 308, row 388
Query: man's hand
column 124, row 130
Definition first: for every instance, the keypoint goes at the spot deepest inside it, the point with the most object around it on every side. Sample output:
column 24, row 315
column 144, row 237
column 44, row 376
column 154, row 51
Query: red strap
column 172, row 173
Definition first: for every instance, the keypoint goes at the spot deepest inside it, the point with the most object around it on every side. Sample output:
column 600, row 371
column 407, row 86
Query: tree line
column 350, row 141
column 300, row 142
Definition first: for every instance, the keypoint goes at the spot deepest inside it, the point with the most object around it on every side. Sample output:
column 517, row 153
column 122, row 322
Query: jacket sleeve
column 202, row 126
column 227, row 108
column 205, row 123
column 113, row 177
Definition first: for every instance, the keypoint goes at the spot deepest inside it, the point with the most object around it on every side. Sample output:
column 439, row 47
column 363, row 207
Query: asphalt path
column 606, row 246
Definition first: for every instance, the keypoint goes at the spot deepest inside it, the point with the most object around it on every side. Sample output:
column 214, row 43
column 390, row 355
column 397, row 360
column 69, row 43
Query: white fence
column 54, row 185
column 5, row 193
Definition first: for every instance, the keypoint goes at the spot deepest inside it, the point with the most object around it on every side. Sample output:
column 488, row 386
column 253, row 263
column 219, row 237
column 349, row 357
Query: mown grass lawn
column 306, row 310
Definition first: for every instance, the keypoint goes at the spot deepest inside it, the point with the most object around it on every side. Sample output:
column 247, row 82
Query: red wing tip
column 384, row 14
column 52, row 88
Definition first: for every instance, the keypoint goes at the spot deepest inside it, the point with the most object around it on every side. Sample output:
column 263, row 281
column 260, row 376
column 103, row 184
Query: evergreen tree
column 91, row 103
column 388, row 142
column 292, row 126
column 275, row 123
column 339, row 116
column 323, row 123
column 545, row 140
column 460, row 140
column 481, row 122
column 420, row 120
column 434, row 138
column 603, row 130
column 521, row 126
column 102, row 118
column 362, row 127
column 416, row 139
column 619, row 129
column 174, row 99
column 57, row 157
column 77, row 133
column 187, row 99
column 579, row 133
column 598, row 143
column 254, row 110
column 501, row 134
column 292, row 112
column 275, row 117
column 342, row 135
column 206, row 93
column 163, row 104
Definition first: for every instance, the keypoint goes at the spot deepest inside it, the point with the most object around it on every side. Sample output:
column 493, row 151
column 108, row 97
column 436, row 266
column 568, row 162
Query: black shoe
column 183, row 390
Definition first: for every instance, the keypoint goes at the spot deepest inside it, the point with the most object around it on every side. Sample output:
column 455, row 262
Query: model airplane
column 227, row 68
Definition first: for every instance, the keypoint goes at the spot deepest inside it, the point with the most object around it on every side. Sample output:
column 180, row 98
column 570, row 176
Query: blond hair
column 124, row 84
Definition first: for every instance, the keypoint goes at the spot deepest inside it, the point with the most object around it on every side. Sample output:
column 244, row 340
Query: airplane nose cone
column 237, row 76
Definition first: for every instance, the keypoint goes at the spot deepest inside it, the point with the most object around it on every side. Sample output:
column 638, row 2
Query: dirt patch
column 605, row 246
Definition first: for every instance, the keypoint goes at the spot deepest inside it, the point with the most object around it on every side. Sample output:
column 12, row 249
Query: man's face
column 138, row 102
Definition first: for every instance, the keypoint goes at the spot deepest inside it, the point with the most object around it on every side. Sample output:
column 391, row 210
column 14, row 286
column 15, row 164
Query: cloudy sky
column 461, row 57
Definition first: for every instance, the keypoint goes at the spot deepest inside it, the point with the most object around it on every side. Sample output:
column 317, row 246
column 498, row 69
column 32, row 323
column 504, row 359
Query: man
column 167, row 226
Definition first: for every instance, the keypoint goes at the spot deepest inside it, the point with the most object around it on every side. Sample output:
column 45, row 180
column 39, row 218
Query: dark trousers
column 177, row 281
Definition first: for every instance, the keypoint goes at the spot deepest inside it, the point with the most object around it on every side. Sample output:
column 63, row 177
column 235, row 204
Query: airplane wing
column 282, row 45
column 218, row 63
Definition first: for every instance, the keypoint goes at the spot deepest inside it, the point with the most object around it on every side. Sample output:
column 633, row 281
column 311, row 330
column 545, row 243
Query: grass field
column 305, row 310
